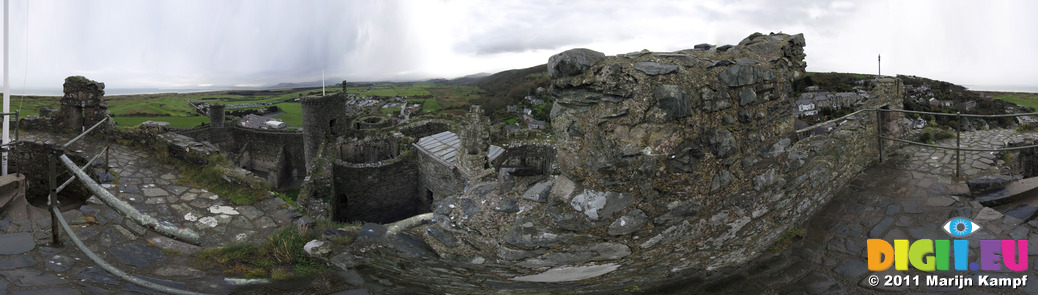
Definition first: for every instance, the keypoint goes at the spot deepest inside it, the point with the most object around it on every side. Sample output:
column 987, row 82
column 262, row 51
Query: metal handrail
column 17, row 120
column 958, row 148
column 111, row 269
column 962, row 148
column 964, row 115
column 163, row 227
column 73, row 177
column 81, row 135
column 844, row 117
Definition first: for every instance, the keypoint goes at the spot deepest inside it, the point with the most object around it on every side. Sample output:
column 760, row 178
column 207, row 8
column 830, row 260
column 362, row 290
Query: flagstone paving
column 909, row 196
column 29, row 264
column 942, row 161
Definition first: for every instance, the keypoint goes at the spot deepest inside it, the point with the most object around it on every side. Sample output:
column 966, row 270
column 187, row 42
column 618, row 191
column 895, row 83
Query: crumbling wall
column 527, row 159
column 439, row 179
column 369, row 149
column 471, row 158
column 31, row 159
column 273, row 152
column 277, row 154
column 83, row 104
column 372, row 122
column 425, row 128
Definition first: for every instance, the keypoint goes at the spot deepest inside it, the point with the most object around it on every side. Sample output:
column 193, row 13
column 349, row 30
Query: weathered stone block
column 671, row 99
column 653, row 69
column 723, row 143
column 600, row 205
column 572, row 62
column 628, row 223
column 539, row 191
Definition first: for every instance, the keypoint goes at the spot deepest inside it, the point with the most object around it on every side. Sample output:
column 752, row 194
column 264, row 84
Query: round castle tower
column 322, row 120
column 216, row 115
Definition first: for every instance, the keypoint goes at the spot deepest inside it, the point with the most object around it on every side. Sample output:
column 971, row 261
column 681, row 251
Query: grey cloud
column 553, row 25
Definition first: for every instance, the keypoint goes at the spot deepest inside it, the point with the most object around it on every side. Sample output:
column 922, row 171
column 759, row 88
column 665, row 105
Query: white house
column 805, row 107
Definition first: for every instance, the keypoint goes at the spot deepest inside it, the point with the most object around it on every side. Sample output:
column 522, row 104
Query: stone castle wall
column 672, row 165
column 425, row 128
column 382, row 191
column 276, row 152
column 31, row 159
column 439, row 179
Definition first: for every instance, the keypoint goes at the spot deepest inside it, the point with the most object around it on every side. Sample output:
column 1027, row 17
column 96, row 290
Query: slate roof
column 444, row 147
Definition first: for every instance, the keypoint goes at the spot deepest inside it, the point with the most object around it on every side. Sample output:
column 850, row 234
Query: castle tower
column 475, row 143
column 323, row 117
column 216, row 115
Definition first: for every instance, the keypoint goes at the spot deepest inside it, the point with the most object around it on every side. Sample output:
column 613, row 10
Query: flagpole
column 7, row 87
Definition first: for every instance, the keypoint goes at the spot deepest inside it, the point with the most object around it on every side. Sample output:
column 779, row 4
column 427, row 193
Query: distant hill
column 835, row 82
column 509, row 87
column 466, row 80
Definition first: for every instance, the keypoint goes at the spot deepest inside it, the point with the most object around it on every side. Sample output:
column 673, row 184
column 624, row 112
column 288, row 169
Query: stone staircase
column 12, row 200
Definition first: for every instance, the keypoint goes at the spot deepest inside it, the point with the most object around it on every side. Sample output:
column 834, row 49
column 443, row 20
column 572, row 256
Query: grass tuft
column 281, row 256
column 787, row 239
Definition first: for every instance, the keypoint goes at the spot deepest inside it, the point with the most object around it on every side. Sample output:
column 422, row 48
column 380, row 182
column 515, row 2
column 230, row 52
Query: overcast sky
column 192, row 44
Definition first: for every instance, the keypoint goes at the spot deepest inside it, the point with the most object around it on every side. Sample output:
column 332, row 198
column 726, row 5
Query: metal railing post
column 108, row 147
column 958, row 160
column 52, row 165
column 879, row 136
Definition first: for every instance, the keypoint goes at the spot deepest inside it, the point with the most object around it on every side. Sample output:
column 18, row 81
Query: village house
column 805, row 107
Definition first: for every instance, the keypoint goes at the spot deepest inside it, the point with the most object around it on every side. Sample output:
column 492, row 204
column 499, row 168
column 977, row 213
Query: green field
column 131, row 110
column 175, row 122
column 30, row 105
column 293, row 113
column 444, row 96
column 1020, row 98
column 171, row 106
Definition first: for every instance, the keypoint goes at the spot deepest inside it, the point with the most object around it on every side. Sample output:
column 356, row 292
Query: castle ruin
column 83, row 104
column 665, row 165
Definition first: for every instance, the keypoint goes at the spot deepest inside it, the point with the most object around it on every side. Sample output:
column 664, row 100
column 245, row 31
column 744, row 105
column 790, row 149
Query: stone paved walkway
column 942, row 161
column 152, row 188
column 893, row 200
